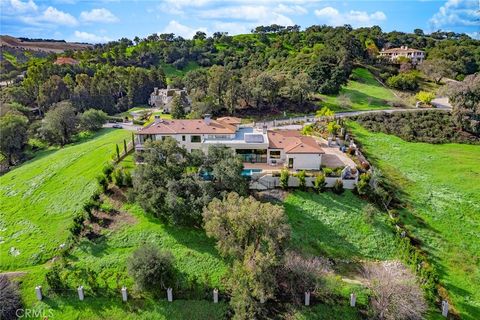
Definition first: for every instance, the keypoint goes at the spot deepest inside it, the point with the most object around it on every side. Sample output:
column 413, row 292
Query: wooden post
column 124, row 146
column 118, row 152
column 215, row 295
column 80, row 293
column 307, row 298
column 353, row 299
column 124, row 294
column 169, row 295
column 38, row 293
column 445, row 308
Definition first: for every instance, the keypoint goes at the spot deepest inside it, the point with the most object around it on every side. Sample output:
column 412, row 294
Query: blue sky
column 105, row 20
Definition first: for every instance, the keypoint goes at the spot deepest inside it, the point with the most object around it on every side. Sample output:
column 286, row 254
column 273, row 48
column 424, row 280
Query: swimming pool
column 249, row 172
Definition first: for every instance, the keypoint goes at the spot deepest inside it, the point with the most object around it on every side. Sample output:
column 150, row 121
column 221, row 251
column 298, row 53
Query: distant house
column 162, row 98
column 274, row 149
column 416, row 56
column 66, row 60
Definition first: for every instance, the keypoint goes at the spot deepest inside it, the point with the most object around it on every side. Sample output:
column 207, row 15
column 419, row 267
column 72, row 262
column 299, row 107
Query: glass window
column 195, row 139
column 183, row 138
column 275, row 154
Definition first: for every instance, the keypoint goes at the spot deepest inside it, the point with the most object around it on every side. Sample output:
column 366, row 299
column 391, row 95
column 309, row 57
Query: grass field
column 335, row 226
column 39, row 198
column 363, row 93
column 441, row 186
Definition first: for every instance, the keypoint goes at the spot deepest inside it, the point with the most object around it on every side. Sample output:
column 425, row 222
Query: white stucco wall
column 305, row 161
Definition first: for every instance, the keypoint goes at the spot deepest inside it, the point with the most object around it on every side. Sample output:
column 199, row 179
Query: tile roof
column 398, row 50
column 292, row 141
column 197, row 126
column 230, row 120
column 65, row 60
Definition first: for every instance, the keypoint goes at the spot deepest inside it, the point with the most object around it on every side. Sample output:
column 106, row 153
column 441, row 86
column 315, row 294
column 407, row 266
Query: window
column 195, row 139
column 275, row 154
column 183, row 138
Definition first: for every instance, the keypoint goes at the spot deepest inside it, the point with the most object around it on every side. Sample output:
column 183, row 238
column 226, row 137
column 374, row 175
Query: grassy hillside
column 337, row 226
column 39, row 199
column 441, row 186
column 363, row 92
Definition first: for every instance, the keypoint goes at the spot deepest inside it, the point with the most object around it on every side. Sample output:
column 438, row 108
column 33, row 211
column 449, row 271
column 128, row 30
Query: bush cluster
column 431, row 126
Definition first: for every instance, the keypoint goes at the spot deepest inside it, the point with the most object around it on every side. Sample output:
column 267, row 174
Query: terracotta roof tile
column 198, row 126
column 292, row 141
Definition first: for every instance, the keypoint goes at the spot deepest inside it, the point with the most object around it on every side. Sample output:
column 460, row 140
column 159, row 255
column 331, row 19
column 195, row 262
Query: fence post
column 215, row 295
column 124, row 294
column 80, row 293
column 353, row 299
column 38, row 293
column 307, row 298
column 445, row 308
column 169, row 295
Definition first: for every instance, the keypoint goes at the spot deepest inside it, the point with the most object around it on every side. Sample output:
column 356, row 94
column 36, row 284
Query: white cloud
column 181, row 30
column 295, row 9
column 82, row 36
column 259, row 14
column 51, row 16
column 334, row 17
column 18, row 6
column 98, row 15
column 456, row 13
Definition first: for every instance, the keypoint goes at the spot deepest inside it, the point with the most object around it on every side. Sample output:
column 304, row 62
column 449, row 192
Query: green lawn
column 195, row 254
column 39, row 198
column 441, row 184
column 335, row 226
column 364, row 93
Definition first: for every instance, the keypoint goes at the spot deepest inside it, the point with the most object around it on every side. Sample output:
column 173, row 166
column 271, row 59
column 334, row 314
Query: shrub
column 319, row 183
column 328, row 171
column 118, row 177
column 127, row 179
column 93, row 119
column 54, row 279
column 107, row 171
column 338, row 187
column 103, row 182
column 77, row 225
column 404, row 81
column 152, row 269
column 363, row 183
column 425, row 97
column 9, row 299
column 284, row 176
column 301, row 176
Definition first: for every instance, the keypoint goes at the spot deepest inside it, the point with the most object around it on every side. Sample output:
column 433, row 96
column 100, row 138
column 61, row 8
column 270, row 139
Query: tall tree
column 60, row 123
column 52, row 91
column 177, row 109
column 254, row 234
column 465, row 98
column 13, row 136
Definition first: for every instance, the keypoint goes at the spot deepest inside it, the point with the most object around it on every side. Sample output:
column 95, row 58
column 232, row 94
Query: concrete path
column 441, row 103
column 125, row 125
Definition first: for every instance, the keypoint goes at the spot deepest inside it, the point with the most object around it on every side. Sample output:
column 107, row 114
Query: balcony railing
column 254, row 158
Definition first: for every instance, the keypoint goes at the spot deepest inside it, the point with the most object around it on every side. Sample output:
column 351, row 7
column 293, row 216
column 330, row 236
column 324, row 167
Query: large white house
column 275, row 149
column 416, row 56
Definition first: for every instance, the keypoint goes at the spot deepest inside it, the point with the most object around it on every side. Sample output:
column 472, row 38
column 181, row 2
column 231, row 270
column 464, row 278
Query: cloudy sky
column 105, row 20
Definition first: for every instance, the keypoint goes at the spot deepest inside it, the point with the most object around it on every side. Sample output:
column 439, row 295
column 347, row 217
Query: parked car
column 117, row 126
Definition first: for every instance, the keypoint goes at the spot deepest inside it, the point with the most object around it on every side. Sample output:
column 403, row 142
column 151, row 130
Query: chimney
column 157, row 119
column 207, row 118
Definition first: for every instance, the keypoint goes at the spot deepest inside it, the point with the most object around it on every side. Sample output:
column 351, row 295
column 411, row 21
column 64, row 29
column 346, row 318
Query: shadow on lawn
column 312, row 235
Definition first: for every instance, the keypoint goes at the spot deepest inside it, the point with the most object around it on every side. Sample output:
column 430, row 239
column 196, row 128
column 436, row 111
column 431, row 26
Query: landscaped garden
column 439, row 184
